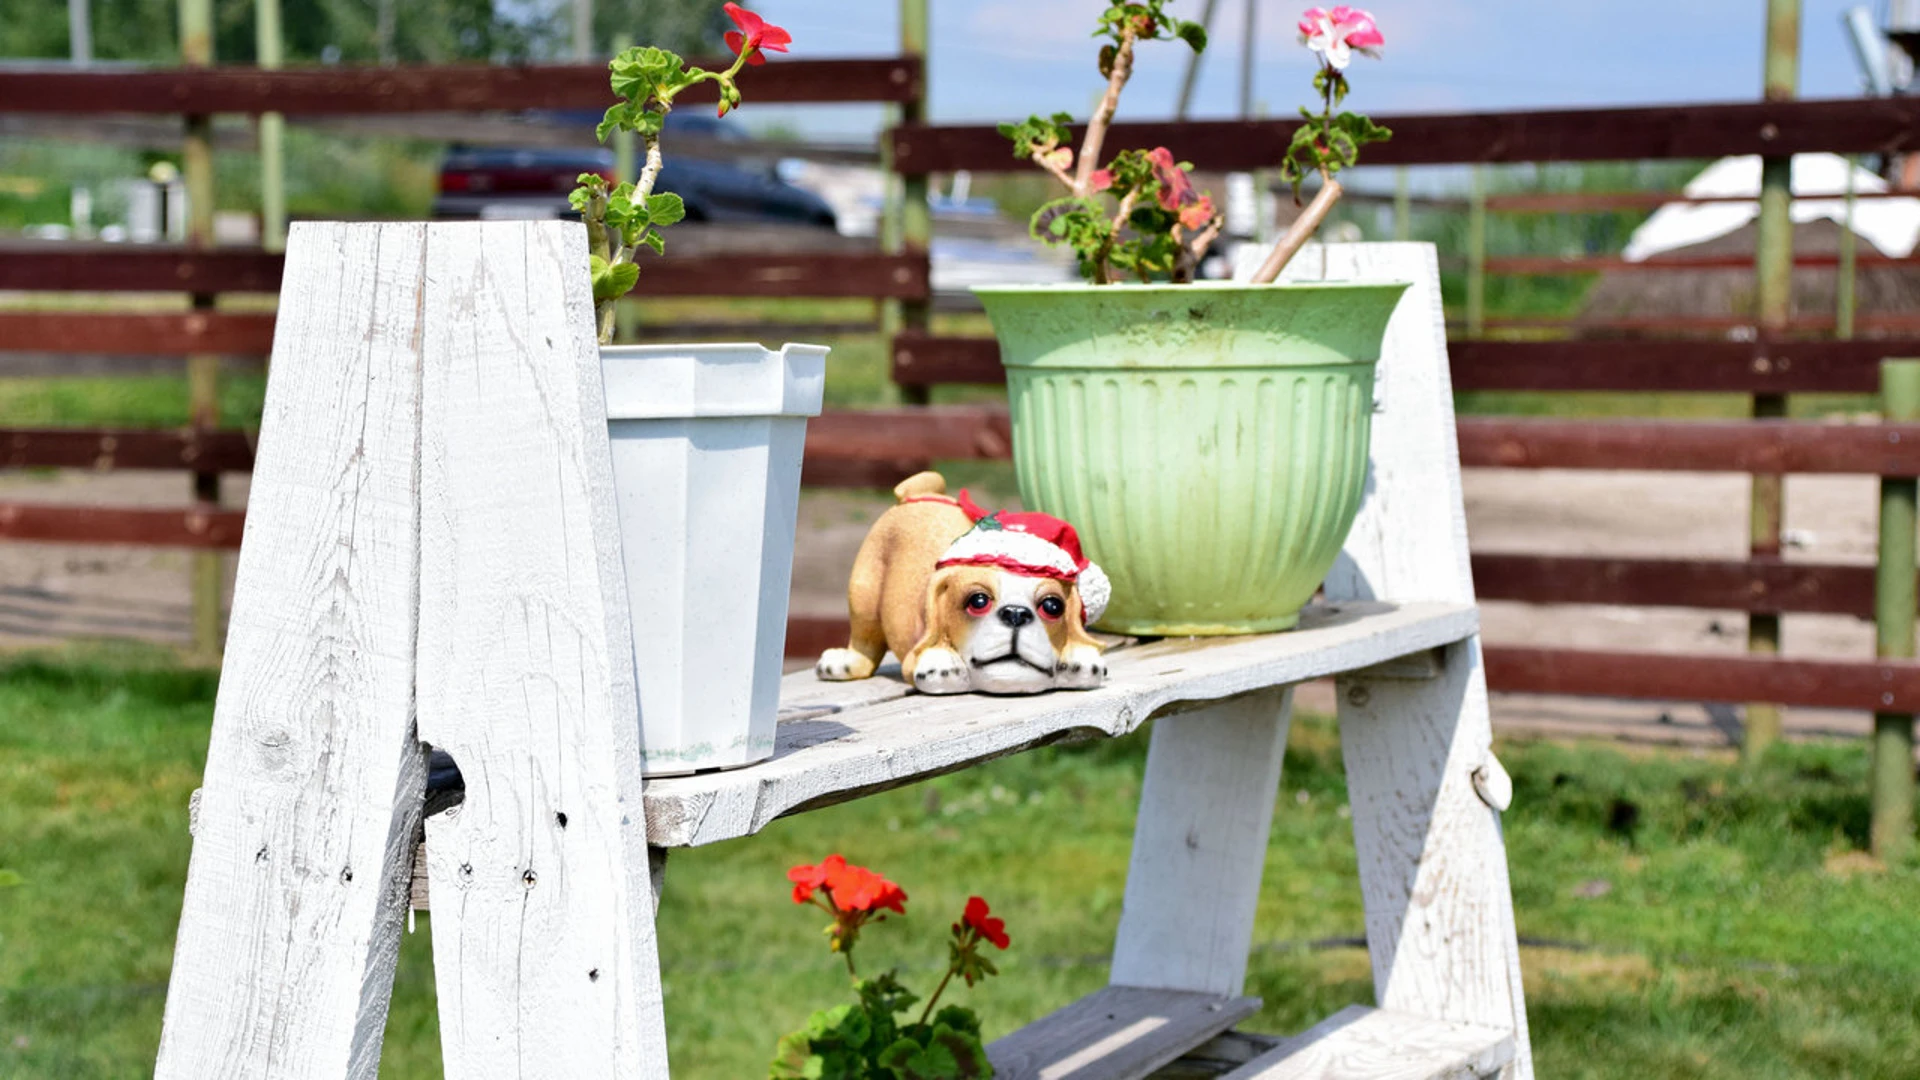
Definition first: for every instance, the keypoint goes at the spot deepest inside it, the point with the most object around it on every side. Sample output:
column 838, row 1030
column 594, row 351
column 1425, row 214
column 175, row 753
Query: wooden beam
column 1759, row 585
column 93, row 448
column 226, row 334
column 422, row 88
column 59, row 524
column 1830, row 684
column 1548, row 265
column 1749, row 446
column 100, row 268
column 1848, row 125
column 1747, row 367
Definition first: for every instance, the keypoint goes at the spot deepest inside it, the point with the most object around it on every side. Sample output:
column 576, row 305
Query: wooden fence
column 867, row 446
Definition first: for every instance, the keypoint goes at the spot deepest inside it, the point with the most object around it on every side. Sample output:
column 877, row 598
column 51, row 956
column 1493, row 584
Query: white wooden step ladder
column 431, row 558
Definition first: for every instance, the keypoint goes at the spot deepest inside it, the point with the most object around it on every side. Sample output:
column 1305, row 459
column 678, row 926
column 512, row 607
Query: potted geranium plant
column 706, row 454
column 1209, row 439
column 877, row 1035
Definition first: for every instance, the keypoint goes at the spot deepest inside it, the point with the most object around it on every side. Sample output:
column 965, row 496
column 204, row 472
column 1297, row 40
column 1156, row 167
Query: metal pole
column 1844, row 298
column 582, row 30
column 1773, row 288
column 1894, row 611
column 1193, row 65
column 79, row 32
column 911, row 226
column 1402, row 204
column 1247, row 58
column 269, row 54
column 1477, row 254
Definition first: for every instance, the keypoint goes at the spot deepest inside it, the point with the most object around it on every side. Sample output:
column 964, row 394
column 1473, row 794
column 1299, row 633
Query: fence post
column 1894, row 603
column 1402, row 205
column 270, row 53
column 909, row 224
column 1773, row 288
column 1477, row 254
column 203, row 371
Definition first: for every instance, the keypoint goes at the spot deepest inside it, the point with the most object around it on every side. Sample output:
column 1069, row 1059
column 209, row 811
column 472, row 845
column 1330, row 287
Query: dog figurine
column 971, row 601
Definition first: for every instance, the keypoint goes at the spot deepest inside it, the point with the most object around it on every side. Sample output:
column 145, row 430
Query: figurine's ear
column 1076, row 620
column 933, row 620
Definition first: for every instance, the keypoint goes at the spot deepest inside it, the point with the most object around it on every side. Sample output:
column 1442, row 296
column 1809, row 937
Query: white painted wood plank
column 1432, row 861
column 1200, row 844
column 1358, row 1043
column 1117, row 1033
column 297, row 889
column 544, row 953
column 870, row 746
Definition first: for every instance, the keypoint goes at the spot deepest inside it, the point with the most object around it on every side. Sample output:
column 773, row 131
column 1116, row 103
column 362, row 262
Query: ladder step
column 1119, row 1033
column 1359, row 1043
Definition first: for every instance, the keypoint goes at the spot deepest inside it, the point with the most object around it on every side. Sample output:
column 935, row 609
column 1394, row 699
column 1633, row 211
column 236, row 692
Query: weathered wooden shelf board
column 839, row 741
column 1359, row 1043
column 1119, row 1033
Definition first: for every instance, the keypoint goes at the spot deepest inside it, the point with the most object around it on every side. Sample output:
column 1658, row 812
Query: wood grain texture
column 838, row 741
column 297, row 888
column 1358, row 1043
column 125, row 448
column 224, row 333
column 1119, row 1033
column 544, row 952
column 1433, row 871
column 1200, row 844
column 60, row 523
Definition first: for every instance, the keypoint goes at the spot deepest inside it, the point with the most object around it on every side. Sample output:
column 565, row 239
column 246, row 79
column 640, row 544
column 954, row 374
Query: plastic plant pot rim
column 691, row 381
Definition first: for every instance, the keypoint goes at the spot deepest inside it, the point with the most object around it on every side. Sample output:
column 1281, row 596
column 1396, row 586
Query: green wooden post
column 269, row 53
column 1477, row 254
column 1773, row 285
column 1843, row 291
column 203, row 372
column 909, row 224
column 1894, row 611
column 1402, row 204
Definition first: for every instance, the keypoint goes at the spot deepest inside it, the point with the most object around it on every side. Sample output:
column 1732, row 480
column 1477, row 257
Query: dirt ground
column 50, row 593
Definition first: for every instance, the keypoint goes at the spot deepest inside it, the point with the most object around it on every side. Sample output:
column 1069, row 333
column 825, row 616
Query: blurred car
column 495, row 182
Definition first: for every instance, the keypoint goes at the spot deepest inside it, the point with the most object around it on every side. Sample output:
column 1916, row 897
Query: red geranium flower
column 754, row 35
column 858, row 889
column 806, row 879
column 994, row 930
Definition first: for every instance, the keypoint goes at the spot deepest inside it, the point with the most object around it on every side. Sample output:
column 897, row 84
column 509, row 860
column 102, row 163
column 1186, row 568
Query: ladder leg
column 1200, row 844
column 1433, row 866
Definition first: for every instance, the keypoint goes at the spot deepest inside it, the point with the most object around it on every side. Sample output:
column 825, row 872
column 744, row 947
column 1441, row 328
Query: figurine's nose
column 1016, row 617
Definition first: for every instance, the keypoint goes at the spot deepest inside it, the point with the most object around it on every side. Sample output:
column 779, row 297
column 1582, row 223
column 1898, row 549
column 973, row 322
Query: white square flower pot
column 707, row 442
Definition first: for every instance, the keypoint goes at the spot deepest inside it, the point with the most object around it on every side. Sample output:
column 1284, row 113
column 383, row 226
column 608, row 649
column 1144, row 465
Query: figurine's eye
column 1052, row 607
column 978, row 603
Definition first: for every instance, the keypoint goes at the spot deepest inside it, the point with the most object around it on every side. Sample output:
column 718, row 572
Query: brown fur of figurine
column 970, row 601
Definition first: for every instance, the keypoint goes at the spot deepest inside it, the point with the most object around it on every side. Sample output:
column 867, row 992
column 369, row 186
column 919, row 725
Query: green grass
column 1738, row 933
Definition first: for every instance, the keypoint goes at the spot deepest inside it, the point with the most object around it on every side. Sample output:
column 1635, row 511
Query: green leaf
column 617, row 117
column 846, row 1025
column 794, row 1059
column 908, row 1060
column 665, row 208
column 611, row 282
column 655, row 241
column 1193, row 34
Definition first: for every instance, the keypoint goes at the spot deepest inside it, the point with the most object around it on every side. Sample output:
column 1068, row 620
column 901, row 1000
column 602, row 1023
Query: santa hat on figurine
column 1031, row 544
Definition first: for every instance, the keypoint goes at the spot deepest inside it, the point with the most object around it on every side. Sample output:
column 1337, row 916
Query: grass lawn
column 1700, row 920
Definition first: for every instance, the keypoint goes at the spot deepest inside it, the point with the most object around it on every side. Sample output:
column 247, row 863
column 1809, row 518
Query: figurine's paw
column 941, row 671
column 1080, row 668
column 841, row 665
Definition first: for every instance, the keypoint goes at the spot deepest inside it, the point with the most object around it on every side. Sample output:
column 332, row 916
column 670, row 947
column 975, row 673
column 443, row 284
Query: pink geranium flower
column 1339, row 33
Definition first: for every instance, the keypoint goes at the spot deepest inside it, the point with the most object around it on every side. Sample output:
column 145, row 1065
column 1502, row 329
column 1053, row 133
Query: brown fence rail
column 106, row 268
column 1881, row 685
column 1755, row 367
column 1847, row 126
column 348, row 91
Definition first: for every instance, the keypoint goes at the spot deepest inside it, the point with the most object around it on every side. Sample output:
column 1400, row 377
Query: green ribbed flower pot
column 1208, row 441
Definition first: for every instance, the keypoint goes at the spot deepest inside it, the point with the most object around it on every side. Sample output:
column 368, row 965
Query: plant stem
column 848, row 953
column 1299, row 232
column 937, row 991
column 1103, row 115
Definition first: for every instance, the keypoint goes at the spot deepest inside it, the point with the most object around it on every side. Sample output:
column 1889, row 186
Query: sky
column 995, row 60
